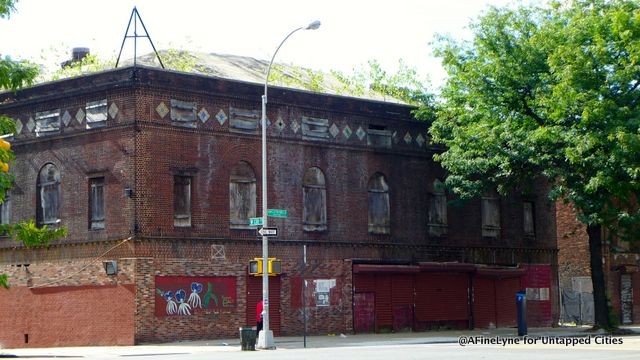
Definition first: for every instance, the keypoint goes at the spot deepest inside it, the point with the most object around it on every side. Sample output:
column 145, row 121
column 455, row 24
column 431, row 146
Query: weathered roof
column 249, row 69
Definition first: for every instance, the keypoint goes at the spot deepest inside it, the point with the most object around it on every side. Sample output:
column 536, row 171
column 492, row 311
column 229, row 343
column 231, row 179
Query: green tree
column 14, row 75
column 550, row 92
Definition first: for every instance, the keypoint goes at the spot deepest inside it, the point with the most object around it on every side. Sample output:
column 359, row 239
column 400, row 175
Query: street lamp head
column 314, row 25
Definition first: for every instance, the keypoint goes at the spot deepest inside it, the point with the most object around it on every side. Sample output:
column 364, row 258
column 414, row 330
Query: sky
column 352, row 31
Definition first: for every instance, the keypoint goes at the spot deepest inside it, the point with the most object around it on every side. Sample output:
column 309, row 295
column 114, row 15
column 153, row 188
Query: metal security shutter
column 506, row 314
column 364, row 283
column 364, row 313
column 442, row 297
column 384, row 309
column 402, row 302
column 484, row 304
column 254, row 294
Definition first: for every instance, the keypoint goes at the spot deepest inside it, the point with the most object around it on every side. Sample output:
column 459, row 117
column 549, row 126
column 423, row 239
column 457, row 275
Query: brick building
column 621, row 262
column 156, row 173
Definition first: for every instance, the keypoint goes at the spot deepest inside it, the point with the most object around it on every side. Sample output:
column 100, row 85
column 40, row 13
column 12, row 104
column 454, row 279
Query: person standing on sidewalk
column 259, row 316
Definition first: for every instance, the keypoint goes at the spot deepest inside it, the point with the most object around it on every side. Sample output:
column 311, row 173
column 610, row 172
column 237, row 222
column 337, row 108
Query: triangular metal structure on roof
column 135, row 16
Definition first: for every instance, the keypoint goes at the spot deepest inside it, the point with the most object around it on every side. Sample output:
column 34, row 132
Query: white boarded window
column 314, row 194
column 96, row 113
column 437, row 212
column 379, row 213
column 48, row 123
column 181, row 201
column 48, row 196
column 183, row 113
column 315, row 128
column 242, row 195
column 491, row 216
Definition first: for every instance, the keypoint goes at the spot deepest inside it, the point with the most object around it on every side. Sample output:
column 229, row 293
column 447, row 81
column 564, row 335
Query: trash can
column 247, row 338
column 521, row 307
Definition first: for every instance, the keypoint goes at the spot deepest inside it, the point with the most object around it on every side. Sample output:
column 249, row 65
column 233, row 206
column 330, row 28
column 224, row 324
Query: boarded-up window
column 183, row 113
column 314, row 193
column 242, row 196
column 48, row 196
column 315, row 128
column 379, row 214
column 96, row 114
column 378, row 136
column 96, row 203
column 528, row 218
column 491, row 216
column 5, row 209
column 181, row 200
column 245, row 121
column 48, row 123
column 437, row 213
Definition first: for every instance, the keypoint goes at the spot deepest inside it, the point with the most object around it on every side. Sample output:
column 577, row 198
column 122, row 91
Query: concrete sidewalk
column 296, row 342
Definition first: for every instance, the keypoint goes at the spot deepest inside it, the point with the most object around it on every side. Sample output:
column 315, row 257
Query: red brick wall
column 573, row 245
column 66, row 316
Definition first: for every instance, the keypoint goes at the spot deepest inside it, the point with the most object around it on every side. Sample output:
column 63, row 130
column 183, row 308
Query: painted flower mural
column 172, row 300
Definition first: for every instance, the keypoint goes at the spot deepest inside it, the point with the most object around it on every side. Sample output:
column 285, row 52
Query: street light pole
column 265, row 338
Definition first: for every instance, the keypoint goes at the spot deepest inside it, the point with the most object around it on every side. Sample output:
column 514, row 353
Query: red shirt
column 259, row 308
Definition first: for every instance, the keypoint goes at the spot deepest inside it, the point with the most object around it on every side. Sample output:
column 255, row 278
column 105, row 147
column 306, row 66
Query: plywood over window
column 379, row 213
column 181, row 201
column 437, row 222
column 314, row 193
column 242, row 195
column 491, row 216
column 48, row 196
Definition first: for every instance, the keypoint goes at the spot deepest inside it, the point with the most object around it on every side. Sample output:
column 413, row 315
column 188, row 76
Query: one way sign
column 268, row 231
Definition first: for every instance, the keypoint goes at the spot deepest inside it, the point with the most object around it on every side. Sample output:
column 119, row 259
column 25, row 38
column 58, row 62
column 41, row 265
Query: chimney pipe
column 77, row 54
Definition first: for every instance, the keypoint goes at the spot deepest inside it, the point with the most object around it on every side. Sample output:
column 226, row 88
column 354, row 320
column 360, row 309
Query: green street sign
column 279, row 213
column 256, row 221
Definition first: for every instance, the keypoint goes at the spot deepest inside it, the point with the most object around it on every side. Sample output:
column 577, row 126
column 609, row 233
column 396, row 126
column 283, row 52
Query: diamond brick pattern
column 221, row 117
column 408, row 138
column 31, row 124
column 419, row 140
column 203, row 115
column 295, row 126
column 80, row 116
column 18, row 126
column 113, row 110
column 334, row 131
column 66, row 118
column 280, row 125
column 162, row 110
column 360, row 133
column 347, row 132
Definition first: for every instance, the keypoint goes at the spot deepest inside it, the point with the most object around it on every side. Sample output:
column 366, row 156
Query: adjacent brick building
column 621, row 262
column 157, row 172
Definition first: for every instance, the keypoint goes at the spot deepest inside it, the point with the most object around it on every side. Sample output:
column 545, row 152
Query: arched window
column 242, row 195
column 314, row 193
column 437, row 222
column 48, row 196
column 379, row 217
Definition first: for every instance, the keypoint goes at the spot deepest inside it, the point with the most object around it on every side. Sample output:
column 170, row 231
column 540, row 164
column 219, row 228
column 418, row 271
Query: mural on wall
column 206, row 294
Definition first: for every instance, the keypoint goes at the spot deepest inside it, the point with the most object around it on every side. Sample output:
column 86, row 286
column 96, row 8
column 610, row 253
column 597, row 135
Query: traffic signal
column 4, row 167
column 255, row 266
column 274, row 267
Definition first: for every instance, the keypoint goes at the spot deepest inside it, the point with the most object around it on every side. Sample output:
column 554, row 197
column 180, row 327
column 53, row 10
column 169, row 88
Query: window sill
column 314, row 228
